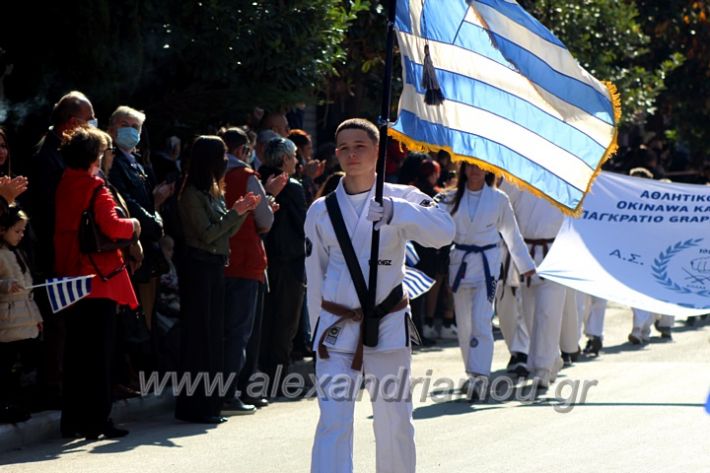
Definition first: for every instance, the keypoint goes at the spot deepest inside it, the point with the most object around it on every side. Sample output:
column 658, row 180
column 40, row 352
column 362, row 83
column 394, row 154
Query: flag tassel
column 433, row 94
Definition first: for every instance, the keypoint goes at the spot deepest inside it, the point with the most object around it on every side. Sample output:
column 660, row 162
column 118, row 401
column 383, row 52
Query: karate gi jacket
column 493, row 219
column 537, row 219
column 416, row 217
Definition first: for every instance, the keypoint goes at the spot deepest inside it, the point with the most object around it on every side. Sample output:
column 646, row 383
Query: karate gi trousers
column 543, row 306
column 338, row 388
column 473, row 320
column 510, row 315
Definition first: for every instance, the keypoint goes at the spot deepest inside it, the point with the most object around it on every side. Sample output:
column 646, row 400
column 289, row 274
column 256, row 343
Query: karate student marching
column 334, row 303
column 482, row 215
column 543, row 300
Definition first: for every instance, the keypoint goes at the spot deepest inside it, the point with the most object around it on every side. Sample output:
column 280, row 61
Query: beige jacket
column 19, row 314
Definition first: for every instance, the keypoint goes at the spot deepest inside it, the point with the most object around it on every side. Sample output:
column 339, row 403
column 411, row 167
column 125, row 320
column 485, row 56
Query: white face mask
column 93, row 123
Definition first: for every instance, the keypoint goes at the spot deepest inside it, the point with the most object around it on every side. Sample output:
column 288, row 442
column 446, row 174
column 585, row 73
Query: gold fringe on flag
column 414, row 145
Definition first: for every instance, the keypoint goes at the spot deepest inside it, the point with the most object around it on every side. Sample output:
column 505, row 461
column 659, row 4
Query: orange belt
column 356, row 315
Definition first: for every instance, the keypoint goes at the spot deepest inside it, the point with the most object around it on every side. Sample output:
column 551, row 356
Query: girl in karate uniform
column 482, row 215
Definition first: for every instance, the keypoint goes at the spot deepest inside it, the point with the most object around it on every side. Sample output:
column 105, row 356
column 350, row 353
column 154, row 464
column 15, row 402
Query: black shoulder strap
column 97, row 189
column 346, row 246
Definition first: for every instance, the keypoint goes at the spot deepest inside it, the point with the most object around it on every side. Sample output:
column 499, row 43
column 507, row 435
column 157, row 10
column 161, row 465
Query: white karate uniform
column 591, row 311
column 643, row 320
column 509, row 307
column 543, row 301
column 569, row 332
column 416, row 217
column 481, row 219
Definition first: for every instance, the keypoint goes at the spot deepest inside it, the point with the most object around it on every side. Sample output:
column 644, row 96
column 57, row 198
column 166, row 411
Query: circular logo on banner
column 684, row 268
column 474, row 342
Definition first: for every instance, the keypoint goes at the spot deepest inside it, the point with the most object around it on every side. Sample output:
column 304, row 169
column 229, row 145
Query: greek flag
column 63, row 292
column 515, row 101
column 416, row 283
column 411, row 255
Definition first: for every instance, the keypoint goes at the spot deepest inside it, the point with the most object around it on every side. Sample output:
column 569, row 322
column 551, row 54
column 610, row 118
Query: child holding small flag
column 20, row 320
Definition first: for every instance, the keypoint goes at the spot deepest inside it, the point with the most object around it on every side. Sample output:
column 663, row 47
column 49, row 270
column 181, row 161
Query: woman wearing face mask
column 90, row 322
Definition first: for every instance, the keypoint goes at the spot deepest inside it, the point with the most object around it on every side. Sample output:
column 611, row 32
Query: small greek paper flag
column 63, row 292
column 487, row 82
column 416, row 283
column 411, row 255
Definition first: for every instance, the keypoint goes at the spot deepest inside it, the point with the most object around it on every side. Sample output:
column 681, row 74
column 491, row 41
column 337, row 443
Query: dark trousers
column 24, row 350
column 202, row 336
column 52, row 351
column 88, row 358
column 251, row 364
column 282, row 311
column 240, row 309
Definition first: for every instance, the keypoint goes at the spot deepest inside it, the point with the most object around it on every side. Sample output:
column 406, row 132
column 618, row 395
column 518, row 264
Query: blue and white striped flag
column 63, row 292
column 416, row 282
column 411, row 256
column 515, row 100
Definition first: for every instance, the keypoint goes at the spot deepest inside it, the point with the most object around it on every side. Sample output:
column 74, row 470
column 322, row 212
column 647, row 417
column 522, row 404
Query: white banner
column 639, row 242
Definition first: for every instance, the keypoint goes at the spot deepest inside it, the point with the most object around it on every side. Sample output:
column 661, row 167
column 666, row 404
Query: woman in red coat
column 90, row 322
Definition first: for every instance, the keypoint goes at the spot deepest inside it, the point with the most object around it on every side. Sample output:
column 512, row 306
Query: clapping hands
column 10, row 188
column 276, row 183
column 246, row 203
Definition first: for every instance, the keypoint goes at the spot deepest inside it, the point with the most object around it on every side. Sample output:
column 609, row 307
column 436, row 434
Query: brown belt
column 543, row 242
column 356, row 315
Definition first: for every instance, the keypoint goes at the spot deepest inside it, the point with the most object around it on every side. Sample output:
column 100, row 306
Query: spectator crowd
column 202, row 268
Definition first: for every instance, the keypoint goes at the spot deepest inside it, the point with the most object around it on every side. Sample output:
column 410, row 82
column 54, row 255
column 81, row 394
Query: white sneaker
column 430, row 332
column 449, row 333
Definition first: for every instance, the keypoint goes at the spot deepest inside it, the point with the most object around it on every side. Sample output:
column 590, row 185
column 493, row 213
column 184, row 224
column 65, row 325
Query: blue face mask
column 127, row 138
column 93, row 123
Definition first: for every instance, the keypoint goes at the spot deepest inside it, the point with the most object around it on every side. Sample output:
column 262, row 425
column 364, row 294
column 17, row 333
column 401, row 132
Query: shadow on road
column 160, row 432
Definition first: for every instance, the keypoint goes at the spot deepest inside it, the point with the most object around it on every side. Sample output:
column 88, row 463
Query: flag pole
column 371, row 324
column 54, row 283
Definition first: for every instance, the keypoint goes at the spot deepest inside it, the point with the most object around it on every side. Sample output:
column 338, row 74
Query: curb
column 44, row 426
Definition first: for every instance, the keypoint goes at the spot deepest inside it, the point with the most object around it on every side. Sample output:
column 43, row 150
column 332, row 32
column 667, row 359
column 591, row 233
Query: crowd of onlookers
column 204, row 269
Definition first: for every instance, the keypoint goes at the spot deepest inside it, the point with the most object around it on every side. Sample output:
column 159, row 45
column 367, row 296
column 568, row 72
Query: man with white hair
column 143, row 199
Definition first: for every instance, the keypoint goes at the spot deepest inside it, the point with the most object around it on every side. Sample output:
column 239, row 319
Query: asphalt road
column 643, row 412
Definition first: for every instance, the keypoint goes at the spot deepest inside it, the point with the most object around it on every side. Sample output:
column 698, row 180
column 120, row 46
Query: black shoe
column 257, row 402
column 475, row 393
column 236, row 407
column 594, row 344
column 517, row 364
column 12, row 414
column 566, row 360
column 202, row 420
column 665, row 331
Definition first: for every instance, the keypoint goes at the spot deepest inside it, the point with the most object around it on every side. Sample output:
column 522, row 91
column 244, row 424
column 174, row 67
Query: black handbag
column 91, row 239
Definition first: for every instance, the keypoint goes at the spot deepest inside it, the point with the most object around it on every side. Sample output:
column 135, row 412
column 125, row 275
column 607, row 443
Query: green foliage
column 608, row 40
column 197, row 62
column 682, row 27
